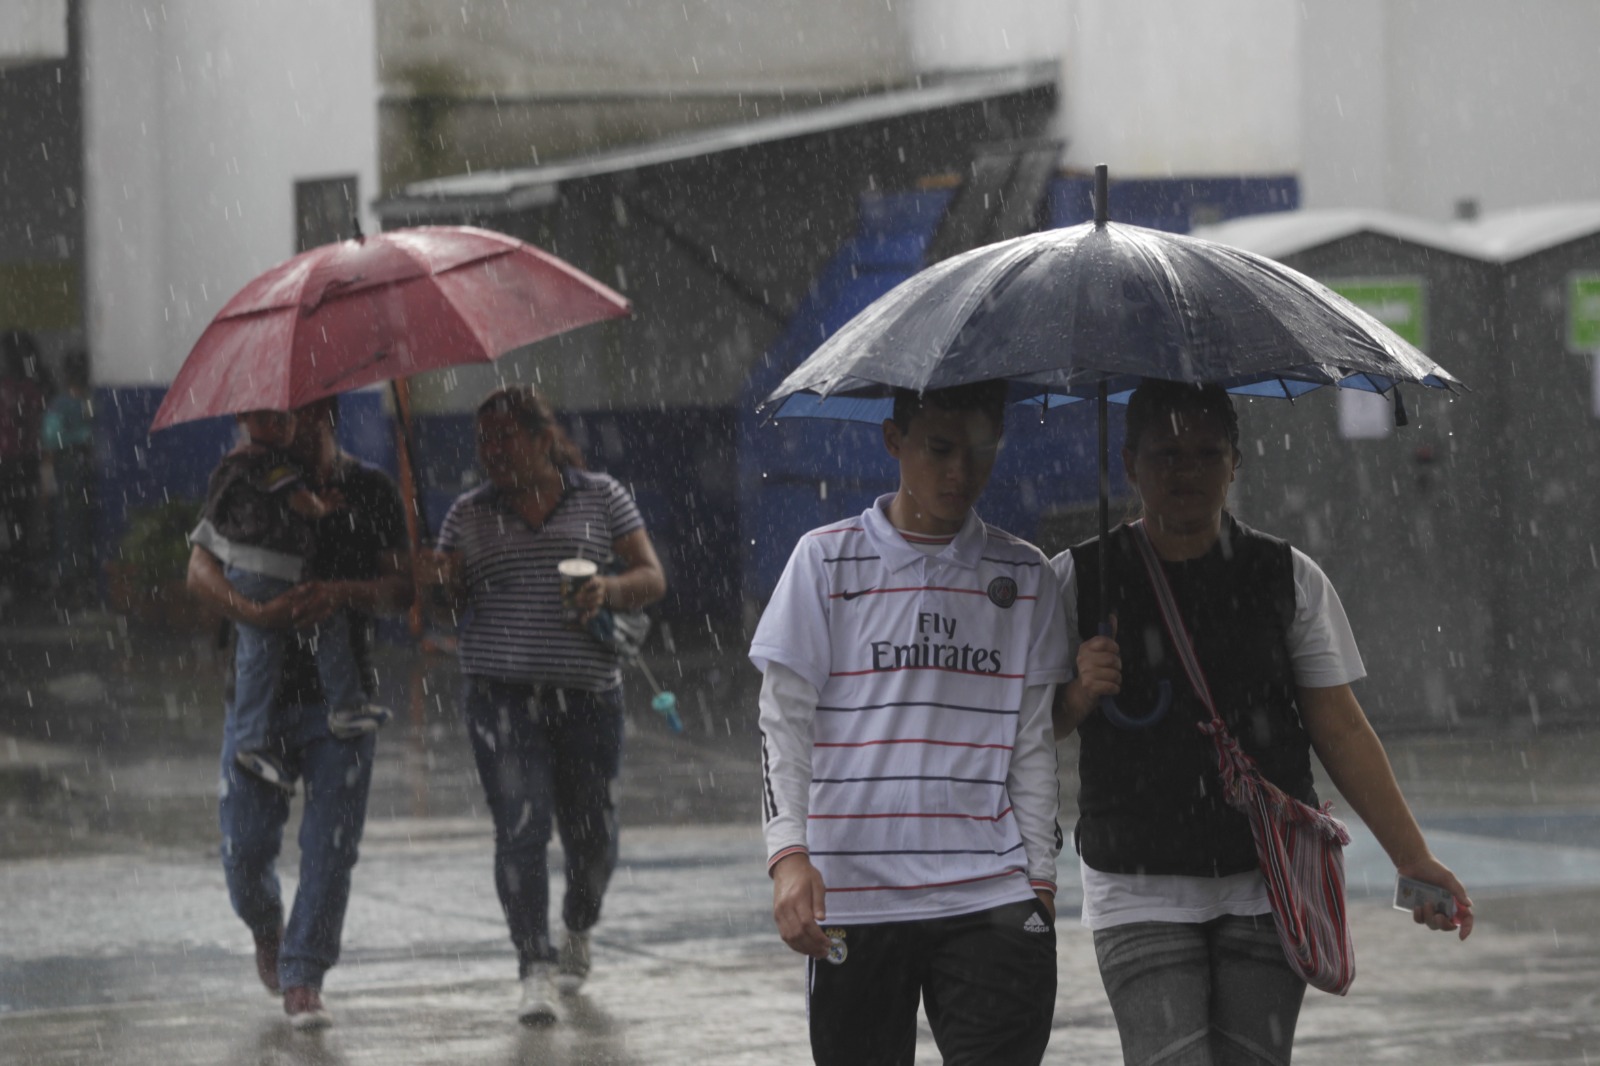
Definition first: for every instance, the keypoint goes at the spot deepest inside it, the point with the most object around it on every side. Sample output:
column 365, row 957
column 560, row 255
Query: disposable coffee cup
column 574, row 574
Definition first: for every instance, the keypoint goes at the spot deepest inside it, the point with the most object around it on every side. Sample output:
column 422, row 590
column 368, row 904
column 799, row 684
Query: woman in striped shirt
column 542, row 697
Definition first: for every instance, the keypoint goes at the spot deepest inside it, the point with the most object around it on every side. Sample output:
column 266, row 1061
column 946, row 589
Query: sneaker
column 348, row 723
column 267, row 768
column 303, row 1005
column 267, row 945
column 572, row 965
column 538, row 1004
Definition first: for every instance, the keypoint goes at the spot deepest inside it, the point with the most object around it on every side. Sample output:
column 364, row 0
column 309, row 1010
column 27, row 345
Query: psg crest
column 1003, row 592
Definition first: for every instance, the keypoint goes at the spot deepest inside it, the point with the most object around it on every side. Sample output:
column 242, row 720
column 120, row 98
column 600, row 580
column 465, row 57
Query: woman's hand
column 591, row 596
column 1099, row 674
column 1100, row 666
column 1430, row 870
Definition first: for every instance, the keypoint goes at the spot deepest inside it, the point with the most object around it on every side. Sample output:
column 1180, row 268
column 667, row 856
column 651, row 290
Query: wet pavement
column 117, row 944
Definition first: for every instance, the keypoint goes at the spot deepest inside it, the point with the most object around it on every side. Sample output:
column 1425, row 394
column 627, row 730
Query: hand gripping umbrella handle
column 1108, row 705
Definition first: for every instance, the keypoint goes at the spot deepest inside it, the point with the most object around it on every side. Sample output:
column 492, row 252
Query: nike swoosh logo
column 858, row 592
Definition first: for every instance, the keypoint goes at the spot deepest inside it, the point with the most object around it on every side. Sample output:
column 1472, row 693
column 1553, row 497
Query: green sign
column 1583, row 313
column 1398, row 303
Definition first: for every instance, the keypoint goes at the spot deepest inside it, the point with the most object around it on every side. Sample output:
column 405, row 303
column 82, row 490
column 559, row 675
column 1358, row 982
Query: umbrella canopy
column 375, row 309
column 1088, row 311
column 1062, row 312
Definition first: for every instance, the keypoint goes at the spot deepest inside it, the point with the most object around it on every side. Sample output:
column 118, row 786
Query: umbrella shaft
column 1105, row 500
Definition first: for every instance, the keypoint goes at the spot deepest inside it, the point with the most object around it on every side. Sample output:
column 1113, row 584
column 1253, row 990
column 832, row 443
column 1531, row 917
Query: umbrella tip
column 1101, row 182
column 355, row 228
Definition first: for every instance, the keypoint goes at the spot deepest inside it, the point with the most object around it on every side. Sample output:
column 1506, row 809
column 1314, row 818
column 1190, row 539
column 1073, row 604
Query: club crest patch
column 1003, row 592
column 838, row 951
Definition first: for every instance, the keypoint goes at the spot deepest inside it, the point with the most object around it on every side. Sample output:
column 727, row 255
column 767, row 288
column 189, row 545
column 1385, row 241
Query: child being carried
column 260, row 520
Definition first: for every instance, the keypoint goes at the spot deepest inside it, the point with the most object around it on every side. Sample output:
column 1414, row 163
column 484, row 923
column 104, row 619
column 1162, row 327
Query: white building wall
column 1345, row 105
column 962, row 35
column 1153, row 89
column 32, row 30
column 199, row 117
column 1414, row 105
column 1495, row 100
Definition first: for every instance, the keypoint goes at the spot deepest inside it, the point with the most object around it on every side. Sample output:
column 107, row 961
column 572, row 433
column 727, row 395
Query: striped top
column 512, row 628
column 930, row 761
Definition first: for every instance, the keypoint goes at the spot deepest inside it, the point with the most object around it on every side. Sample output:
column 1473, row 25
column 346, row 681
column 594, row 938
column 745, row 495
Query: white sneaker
column 348, row 723
column 572, row 966
column 538, row 999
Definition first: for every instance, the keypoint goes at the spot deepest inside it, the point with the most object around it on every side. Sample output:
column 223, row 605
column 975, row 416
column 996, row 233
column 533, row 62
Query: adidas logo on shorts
column 1035, row 924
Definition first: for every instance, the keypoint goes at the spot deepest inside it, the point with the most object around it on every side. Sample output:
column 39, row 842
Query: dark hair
column 533, row 413
column 1156, row 400
column 988, row 397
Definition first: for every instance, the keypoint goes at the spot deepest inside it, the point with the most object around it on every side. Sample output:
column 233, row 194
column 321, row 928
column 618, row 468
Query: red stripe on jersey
column 941, row 669
column 932, row 884
column 915, row 740
column 919, row 588
column 909, row 814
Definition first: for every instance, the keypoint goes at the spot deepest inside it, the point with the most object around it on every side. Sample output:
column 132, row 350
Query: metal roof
column 510, row 190
column 1506, row 236
column 1497, row 237
column 1283, row 233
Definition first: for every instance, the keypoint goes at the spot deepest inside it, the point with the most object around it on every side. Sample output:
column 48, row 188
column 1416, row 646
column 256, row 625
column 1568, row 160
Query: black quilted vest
column 1150, row 800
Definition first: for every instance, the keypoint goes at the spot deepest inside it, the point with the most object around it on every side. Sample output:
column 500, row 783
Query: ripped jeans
column 544, row 752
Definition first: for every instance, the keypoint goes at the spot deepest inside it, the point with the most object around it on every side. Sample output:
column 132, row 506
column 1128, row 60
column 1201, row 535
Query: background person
column 1183, row 928
column 361, row 568
column 22, row 402
column 542, row 698
column 66, row 437
column 909, row 657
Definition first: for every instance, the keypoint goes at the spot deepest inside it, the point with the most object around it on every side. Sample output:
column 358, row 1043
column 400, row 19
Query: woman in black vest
column 1182, row 925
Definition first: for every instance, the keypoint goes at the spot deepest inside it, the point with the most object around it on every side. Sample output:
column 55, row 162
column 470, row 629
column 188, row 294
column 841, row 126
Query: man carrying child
column 260, row 522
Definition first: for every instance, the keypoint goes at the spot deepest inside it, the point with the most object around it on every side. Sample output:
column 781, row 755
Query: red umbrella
column 375, row 309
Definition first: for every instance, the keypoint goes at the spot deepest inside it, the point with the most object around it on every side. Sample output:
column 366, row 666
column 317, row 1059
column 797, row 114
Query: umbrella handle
column 1114, row 715
column 1108, row 707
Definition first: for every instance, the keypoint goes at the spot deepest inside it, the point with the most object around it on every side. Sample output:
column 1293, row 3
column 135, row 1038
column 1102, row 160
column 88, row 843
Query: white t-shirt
column 1323, row 654
column 905, row 718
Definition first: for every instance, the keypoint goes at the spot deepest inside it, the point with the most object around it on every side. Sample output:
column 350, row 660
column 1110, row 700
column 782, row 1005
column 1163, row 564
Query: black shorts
column 987, row 981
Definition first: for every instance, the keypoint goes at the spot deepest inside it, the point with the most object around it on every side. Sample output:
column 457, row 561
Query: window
column 325, row 210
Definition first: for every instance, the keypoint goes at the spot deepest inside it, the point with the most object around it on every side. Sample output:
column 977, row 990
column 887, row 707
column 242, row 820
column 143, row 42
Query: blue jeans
column 543, row 751
column 258, row 663
column 336, row 775
column 1216, row 993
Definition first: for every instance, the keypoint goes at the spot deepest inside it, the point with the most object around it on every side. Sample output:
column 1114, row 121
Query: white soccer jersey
column 921, row 733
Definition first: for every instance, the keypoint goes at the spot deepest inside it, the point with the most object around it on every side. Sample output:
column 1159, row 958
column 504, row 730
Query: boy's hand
column 1049, row 901
column 799, row 905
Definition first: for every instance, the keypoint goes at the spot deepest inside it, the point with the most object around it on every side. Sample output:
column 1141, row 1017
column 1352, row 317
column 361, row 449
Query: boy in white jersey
column 910, row 655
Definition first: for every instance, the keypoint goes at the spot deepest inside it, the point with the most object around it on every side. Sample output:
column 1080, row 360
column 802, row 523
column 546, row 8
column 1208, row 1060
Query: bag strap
column 1238, row 770
column 1241, row 777
column 1174, row 623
